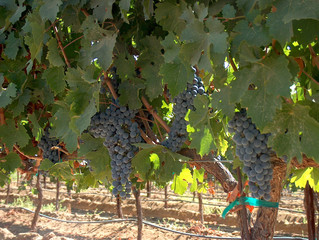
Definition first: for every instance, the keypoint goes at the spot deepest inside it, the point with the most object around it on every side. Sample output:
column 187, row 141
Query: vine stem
column 232, row 63
column 155, row 115
column 73, row 41
column 27, row 156
column 110, row 86
column 314, row 80
column 61, row 47
column 137, row 195
column 149, row 131
column 145, row 137
column 40, row 200
column 314, row 55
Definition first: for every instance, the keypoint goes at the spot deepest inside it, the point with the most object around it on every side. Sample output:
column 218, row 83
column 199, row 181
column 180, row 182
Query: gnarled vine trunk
column 264, row 226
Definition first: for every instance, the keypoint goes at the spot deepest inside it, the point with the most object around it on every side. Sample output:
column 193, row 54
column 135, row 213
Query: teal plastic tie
column 249, row 201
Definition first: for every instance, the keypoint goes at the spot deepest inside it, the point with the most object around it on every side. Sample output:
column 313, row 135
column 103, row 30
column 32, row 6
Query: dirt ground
column 97, row 205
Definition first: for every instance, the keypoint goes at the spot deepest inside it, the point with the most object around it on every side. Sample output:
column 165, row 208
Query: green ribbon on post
column 249, row 201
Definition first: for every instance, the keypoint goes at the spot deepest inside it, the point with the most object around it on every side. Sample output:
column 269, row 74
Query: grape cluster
column 116, row 127
column 46, row 143
column 252, row 150
column 183, row 102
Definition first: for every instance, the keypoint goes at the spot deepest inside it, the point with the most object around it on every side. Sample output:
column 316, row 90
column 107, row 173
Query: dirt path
column 182, row 216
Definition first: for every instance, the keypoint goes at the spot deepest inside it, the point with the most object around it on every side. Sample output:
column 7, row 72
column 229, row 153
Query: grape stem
column 145, row 137
column 149, row 131
column 26, row 156
column 314, row 55
column 158, row 118
column 110, row 86
column 310, row 77
column 61, row 46
column 232, row 63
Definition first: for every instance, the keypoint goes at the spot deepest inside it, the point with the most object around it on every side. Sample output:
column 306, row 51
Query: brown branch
column 61, row 47
column 110, row 86
column 145, row 137
column 159, row 130
column 221, row 173
column 2, row 118
column 73, row 41
column 314, row 56
column 25, row 155
column 232, row 63
column 155, row 115
column 149, row 131
column 314, row 80
column 85, row 12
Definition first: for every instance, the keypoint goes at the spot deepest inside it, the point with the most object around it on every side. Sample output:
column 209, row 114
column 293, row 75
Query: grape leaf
column 126, row 67
column 34, row 39
column 18, row 11
column 53, row 54
column 7, row 94
column 46, row 164
column 199, row 120
column 228, row 11
column 300, row 10
column 130, row 94
column 37, row 131
column 168, row 16
column 181, row 181
column 171, row 48
column 198, row 177
column 294, row 132
column 83, row 121
column 306, row 30
column 283, row 33
column 10, row 162
column 201, row 11
column 176, row 75
column 12, row 46
column 302, row 176
column 103, row 50
column 55, row 78
column 49, row 10
column 11, row 135
column 102, row 9
column 19, row 104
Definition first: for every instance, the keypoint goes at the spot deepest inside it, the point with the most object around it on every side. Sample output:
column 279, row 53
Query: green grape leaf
column 18, row 12
column 199, row 120
column 62, row 171
column 171, row 48
column 253, row 35
column 100, row 162
column 293, row 132
column 168, row 16
column 283, row 33
column 53, row 54
column 302, row 176
column 261, row 105
column 12, row 46
column 130, row 94
column 198, row 177
column 83, row 121
column 154, row 86
column 102, row 9
column 126, row 67
column 181, row 181
column 89, row 144
column 55, row 79
column 103, row 50
column 7, row 94
column 50, row 9
column 201, row 11
column 34, row 39
column 300, row 10
column 37, row 131
column 19, row 104
column 228, row 11
column 176, row 75
column 11, row 135
column 10, row 162
column 45, row 165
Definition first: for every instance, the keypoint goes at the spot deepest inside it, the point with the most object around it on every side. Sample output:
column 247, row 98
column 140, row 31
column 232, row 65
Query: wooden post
column 8, row 192
column 166, row 198
column 57, row 206
column 201, row 212
column 40, row 199
column 119, row 207
column 148, row 188
column 136, row 193
column 310, row 210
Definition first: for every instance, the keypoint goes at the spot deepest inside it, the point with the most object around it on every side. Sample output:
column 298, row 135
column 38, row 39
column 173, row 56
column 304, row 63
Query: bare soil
column 97, row 205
